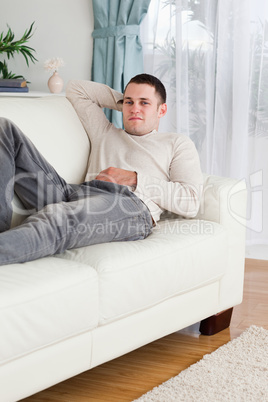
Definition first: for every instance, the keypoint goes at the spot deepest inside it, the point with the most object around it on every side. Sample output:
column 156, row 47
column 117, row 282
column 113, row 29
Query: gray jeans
column 62, row 216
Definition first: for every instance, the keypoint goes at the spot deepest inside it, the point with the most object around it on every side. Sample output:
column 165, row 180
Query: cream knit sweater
column 167, row 164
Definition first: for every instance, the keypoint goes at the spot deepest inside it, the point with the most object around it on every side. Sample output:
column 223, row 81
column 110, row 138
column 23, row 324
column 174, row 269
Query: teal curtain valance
column 118, row 31
column 117, row 49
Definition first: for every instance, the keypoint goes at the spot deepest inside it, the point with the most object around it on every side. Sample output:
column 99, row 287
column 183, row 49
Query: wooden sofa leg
column 216, row 323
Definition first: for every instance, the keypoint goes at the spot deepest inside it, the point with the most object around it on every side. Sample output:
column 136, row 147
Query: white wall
column 62, row 29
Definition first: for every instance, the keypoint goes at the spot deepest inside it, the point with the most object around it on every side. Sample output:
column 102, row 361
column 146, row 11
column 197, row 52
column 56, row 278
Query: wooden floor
column 130, row 376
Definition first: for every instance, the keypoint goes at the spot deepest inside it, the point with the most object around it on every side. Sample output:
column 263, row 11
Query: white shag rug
column 237, row 371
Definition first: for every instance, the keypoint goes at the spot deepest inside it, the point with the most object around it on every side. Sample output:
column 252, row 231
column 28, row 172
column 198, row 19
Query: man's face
column 141, row 109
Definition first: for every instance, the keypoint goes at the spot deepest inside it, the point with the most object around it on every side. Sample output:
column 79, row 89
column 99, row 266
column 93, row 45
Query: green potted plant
column 10, row 47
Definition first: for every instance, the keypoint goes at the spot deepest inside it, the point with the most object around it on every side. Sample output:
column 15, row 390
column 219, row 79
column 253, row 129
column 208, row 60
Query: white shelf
column 30, row 94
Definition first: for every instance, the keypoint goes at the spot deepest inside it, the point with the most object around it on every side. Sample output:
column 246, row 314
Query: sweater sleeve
column 88, row 99
column 182, row 193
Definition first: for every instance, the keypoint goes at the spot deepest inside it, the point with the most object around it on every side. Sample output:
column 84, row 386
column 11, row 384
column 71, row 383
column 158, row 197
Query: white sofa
column 65, row 314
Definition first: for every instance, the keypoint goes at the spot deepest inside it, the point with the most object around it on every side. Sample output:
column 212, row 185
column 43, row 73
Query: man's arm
column 119, row 176
column 95, row 92
column 182, row 199
column 88, row 99
column 182, row 193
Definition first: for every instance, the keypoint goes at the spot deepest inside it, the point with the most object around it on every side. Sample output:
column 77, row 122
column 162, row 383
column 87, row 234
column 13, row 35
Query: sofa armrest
column 224, row 201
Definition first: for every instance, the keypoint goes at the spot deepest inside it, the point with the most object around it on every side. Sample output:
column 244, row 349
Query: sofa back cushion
column 53, row 126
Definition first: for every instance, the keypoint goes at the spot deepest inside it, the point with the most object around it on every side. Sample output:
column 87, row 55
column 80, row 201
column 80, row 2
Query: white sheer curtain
column 212, row 56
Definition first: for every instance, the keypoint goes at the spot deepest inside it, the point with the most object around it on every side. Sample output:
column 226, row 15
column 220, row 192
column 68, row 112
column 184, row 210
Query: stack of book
column 13, row 85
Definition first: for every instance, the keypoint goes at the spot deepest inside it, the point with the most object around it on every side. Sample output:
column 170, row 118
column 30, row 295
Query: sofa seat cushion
column 43, row 302
column 178, row 256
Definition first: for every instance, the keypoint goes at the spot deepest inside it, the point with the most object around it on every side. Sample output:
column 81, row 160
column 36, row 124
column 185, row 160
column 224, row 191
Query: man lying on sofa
column 133, row 175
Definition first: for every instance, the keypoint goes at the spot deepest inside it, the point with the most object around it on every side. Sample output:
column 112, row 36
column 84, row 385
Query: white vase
column 55, row 83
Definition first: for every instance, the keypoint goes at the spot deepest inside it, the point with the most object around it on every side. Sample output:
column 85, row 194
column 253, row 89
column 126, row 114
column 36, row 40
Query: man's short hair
column 152, row 81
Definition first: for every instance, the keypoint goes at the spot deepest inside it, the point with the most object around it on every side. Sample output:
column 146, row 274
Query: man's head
column 144, row 104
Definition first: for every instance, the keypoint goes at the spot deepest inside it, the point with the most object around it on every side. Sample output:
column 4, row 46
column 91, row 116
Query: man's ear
column 162, row 110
